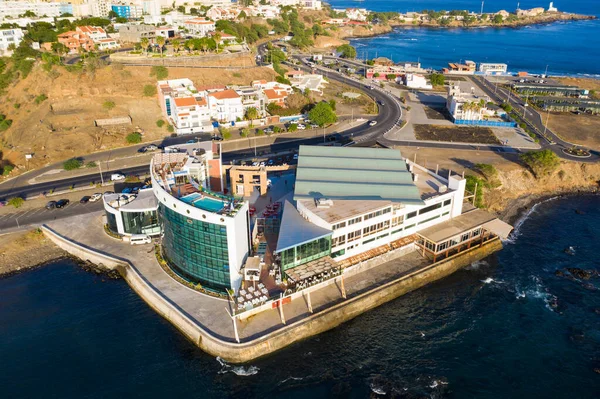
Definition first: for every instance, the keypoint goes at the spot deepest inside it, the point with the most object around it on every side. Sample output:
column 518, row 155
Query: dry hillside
column 77, row 100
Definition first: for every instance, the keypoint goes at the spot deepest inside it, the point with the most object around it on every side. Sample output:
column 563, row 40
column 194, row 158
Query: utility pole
column 100, row 168
column 481, row 13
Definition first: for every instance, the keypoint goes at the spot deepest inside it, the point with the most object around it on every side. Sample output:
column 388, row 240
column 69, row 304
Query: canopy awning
column 295, row 230
column 499, row 228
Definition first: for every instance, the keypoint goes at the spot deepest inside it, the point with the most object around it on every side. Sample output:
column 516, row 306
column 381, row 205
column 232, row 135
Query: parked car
column 127, row 190
column 62, row 203
column 191, row 142
column 85, row 199
column 296, row 157
column 301, row 126
column 142, row 149
column 152, row 147
column 262, row 163
column 314, row 126
column 271, row 162
column 372, row 123
column 117, row 177
column 216, row 138
column 95, row 197
column 51, row 205
column 268, row 130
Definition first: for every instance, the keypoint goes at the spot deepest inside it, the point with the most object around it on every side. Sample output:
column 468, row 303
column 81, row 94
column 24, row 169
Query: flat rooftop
column 344, row 209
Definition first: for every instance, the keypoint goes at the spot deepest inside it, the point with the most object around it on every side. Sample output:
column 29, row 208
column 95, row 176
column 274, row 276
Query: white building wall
column 8, row 37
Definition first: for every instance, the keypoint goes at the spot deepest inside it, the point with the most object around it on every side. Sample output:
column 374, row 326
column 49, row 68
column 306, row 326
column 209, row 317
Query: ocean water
column 566, row 48
column 506, row 327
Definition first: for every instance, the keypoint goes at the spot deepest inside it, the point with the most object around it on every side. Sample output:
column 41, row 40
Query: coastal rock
column 581, row 273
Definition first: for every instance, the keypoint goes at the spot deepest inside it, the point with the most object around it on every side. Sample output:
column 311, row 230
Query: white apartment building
column 252, row 97
column 220, row 13
column 335, row 191
column 8, row 37
column 416, row 81
column 99, row 8
column 466, row 106
column 199, row 27
column 95, row 33
column 184, row 107
column 226, row 105
column 493, row 69
column 12, row 9
column 107, row 44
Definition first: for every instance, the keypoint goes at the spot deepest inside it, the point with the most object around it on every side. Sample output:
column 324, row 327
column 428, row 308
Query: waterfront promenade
column 205, row 319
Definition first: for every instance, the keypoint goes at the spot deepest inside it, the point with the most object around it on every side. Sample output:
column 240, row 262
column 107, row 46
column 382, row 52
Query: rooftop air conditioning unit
column 443, row 188
column 324, row 203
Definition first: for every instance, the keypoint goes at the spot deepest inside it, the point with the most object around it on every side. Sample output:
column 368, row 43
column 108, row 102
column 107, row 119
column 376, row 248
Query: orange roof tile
column 225, row 94
column 273, row 95
column 185, row 101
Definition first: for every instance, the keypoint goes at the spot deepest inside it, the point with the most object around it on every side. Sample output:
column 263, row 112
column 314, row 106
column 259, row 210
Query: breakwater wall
column 288, row 334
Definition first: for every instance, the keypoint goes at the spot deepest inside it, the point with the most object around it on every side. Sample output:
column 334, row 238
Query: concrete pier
column 205, row 319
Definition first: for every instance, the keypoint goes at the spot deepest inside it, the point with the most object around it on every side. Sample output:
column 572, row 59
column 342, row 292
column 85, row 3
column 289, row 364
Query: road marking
column 7, row 215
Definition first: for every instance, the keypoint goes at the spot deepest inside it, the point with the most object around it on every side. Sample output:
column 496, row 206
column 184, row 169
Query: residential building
column 220, row 13
column 184, row 107
column 135, row 33
column 357, row 14
column 465, row 106
column 9, row 37
column 129, row 11
column 12, row 9
column 199, row 27
column 99, row 8
column 313, row 82
column 493, row 69
column 167, row 32
column 93, row 32
column 416, row 81
column 107, row 44
column 205, row 235
column 74, row 40
column 468, row 68
column 226, row 105
column 252, row 97
column 129, row 214
column 274, row 92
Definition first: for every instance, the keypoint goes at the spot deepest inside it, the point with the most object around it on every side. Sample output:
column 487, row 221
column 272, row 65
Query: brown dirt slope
column 19, row 251
column 78, row 99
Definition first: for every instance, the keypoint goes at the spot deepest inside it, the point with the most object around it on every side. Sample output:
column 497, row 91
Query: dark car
column 142, row 149
column 62, row 203
column 217, row 138
column 51, row 205
column 85, row 199
column 381, row 103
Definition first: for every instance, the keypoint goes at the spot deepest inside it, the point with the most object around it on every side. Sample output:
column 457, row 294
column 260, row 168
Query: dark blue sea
column 565, row 48
column 506, row 327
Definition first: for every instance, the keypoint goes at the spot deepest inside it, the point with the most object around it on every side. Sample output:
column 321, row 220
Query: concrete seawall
column 288, row 334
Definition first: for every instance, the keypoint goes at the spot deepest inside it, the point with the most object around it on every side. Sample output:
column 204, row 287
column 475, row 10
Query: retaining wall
column 269, row 343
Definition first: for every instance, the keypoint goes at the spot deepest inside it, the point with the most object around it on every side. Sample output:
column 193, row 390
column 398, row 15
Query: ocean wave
column 517, row 229
column 490, row 280
column 243, row 371
column 291, row 378
column 477, row 264
column 377, row 390
column 539, row 291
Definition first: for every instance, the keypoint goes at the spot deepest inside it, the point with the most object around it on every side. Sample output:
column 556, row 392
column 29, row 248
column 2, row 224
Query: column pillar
column 281, row 315
column 342, row 286
column 310, row 309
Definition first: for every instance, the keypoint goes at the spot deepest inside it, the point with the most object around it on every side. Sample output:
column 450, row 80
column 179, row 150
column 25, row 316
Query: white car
column 372, row 123
column 151, row 147
column 117, row 177
column 95, row 197
column 301, row 126
column 314, row 126
column 262, row 163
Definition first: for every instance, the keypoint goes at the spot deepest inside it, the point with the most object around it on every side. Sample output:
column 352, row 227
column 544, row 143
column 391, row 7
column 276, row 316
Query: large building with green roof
column 358, row 199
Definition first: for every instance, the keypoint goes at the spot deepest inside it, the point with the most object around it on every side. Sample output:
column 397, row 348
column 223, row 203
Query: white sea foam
column 477, row 264
column 377, row 390
column 517, row 229
column 237, row 370
column 537, row 292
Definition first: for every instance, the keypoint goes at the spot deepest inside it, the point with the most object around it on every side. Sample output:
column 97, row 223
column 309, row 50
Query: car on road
column 216, row 138
column 151, row 147
column 62, row 203
column 51, row 205
column 85, row 199
column 381, row 103
column 372, row 123
column 117, row 177
column 95, row 197
column 142, row 149
column 191, row 142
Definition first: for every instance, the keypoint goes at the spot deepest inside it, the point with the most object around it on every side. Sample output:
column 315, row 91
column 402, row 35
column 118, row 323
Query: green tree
column 292, row 127
column 245, row 132
column 113, row 14
column 498, row 19
column 346, row 51
column 16, row 202
column 160, row 123
column 322, row 114
column 134, row 138
column 251, row 113
column 437, row 79
column 144, row 42
column 225, row 133
column 333, row 104
column 72, row 164
column 176, row 45
column 161, row 42
column 541, row 163
column 149, row 90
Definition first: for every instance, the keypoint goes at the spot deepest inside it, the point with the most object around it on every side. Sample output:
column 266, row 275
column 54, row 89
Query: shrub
column 160, row 123
column 225, row 133
column 244, row 132
column 149, row 90
column 7, row 169
column 437, row 79
column 487, row 170
column 91, row 164
column 41, row 98
column 541, row 163
column 134, row 138
column 260, row 132
column 276, row 129
column 72, row 164
column 170, row 129
column 160, row 72
column 108, row 105
column 17, row 202
column 473, row 181
column 292, row 128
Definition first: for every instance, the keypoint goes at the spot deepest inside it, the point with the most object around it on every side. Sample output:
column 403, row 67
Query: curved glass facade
column 111, row 220
column 195, row 249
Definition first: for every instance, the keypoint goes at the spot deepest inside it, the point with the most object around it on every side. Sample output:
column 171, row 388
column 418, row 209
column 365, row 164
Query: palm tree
column 189, row 44
column 217, row 37
column 161, row 42
column 144, row 42
column 176, row 45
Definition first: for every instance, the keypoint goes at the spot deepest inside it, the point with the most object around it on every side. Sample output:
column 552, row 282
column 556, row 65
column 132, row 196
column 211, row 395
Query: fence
column 484, row 123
